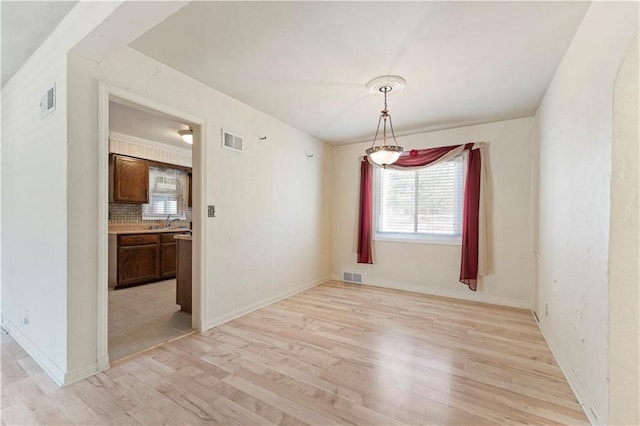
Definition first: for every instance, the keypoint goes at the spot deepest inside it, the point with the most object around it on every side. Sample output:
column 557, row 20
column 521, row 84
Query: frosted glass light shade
column 187, row 136
column 385, row 154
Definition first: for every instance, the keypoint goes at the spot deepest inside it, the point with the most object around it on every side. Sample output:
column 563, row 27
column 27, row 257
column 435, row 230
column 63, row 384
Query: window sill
column 395, row 238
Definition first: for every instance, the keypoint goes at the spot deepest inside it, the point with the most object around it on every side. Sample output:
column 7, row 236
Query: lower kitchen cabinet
column 141, row 258
column 183, row 279
column 137, row 264
column 168, row 256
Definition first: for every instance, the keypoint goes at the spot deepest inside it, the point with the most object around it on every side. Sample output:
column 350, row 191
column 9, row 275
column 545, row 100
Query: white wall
column 434, row 269
column 271, row 236
column 624, row 254
column 34, row 192
column 574, row 132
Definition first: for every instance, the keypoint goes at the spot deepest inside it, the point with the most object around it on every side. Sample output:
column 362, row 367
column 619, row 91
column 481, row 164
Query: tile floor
column 143, row 316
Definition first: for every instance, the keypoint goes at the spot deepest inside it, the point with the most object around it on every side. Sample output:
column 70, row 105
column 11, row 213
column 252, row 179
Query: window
column 168, row 194
column 420, row 204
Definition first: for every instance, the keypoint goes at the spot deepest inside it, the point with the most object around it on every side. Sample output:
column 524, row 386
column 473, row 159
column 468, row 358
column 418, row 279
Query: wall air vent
column 353, row 277
column 48, row 101
column 232, row 141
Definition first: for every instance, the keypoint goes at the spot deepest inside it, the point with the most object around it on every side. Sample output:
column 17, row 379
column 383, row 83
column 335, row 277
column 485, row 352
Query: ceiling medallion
column 396, row 83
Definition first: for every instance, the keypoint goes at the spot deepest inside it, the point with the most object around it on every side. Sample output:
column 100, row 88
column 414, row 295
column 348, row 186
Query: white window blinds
column 168, row 194
column 421, row 202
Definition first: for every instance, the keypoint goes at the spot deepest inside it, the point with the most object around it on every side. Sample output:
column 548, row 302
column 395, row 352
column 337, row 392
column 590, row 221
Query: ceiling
column 307, row 63
column 144, row 125
column 25, row 25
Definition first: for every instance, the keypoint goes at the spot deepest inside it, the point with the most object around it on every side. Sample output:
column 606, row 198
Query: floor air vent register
column 353, row 277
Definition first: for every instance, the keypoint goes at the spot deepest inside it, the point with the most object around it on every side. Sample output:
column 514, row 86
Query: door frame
column 106, row 93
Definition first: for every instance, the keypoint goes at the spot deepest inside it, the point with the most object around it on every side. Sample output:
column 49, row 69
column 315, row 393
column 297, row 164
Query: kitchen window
column 423, row 205
column 168, row 194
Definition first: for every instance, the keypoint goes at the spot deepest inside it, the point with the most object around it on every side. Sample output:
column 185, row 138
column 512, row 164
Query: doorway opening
column 150, row 212
column 151, row 186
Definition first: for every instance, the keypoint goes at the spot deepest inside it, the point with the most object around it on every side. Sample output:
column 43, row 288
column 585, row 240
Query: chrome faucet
column 167, row 223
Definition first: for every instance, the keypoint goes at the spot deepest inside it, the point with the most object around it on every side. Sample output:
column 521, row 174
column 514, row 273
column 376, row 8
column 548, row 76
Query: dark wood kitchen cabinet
column 141, row 258
column 167, row 256
column 184, row 274
column 137, row 264
column 133, row 259
column 190, row 190
column 128, row 180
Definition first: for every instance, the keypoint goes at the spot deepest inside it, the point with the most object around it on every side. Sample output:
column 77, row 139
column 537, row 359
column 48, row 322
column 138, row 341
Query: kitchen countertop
column 149, row 231
column 183, row 237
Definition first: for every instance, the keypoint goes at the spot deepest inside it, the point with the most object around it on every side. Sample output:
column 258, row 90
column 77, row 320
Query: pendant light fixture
column 187, row 135
column 384, row 154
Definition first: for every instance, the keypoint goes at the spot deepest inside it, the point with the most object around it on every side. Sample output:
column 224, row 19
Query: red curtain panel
column 470, row 225
column 364, row 223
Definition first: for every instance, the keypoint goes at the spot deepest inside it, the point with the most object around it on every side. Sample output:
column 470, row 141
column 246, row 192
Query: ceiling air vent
column 353, row 277
column 232, row 141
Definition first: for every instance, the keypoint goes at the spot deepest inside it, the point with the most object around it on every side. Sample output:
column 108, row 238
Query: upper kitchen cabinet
column 128, row 180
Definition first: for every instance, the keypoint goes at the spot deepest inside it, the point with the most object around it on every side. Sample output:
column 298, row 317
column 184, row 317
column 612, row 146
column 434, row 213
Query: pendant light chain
column 384, row 154
column 385, row 114
column 384, row 90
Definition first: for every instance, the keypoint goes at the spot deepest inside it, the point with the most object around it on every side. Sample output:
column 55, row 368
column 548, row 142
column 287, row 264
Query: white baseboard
column 261, row 304
column 436, row 291
column 585, row 401
column 81, row 373
column 48, row 365
column 103, row 363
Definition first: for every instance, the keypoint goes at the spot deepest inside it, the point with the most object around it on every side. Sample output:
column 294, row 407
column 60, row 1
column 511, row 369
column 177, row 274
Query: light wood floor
column 335, row 354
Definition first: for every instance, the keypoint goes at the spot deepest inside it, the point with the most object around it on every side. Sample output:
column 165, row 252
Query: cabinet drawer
column 138, row 239
column 168, row 238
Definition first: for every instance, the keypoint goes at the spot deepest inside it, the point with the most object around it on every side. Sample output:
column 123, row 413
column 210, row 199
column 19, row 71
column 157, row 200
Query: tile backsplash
column 132, row 213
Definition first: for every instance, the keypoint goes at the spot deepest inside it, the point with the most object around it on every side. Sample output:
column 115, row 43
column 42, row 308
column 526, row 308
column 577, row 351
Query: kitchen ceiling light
column 384, row 154
column 187, row 136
